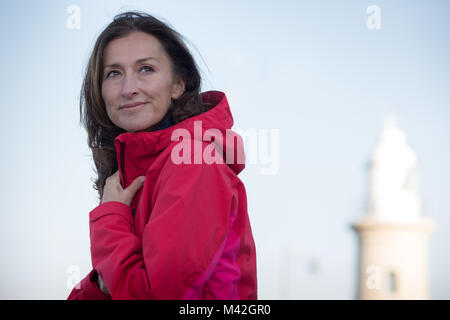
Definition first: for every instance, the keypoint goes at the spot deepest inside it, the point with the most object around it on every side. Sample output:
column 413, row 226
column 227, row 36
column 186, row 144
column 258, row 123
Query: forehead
column 132, row 47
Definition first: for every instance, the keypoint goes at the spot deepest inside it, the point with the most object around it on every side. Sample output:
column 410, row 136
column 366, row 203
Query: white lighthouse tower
column 393, row 236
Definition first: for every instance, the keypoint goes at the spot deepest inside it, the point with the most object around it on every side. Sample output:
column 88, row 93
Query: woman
column 167, row 226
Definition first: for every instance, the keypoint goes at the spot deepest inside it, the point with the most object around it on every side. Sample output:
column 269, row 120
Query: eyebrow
column 117, row 65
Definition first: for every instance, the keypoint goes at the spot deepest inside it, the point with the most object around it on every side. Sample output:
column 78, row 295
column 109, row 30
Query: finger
column 136, row 185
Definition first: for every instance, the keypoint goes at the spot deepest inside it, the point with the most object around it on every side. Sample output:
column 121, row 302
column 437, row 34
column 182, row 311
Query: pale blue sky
column 311, row 69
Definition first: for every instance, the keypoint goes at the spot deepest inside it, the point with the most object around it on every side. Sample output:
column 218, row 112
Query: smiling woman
column 162, row 230
column 125, row 74
column 117, row 77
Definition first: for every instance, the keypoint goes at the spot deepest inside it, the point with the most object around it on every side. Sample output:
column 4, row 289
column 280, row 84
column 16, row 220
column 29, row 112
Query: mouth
column 133, row 106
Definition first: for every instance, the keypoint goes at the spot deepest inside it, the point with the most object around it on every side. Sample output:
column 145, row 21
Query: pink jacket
column 186, row 234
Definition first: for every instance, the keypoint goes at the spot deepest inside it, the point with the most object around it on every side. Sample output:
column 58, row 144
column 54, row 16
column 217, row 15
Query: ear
column 178, row 88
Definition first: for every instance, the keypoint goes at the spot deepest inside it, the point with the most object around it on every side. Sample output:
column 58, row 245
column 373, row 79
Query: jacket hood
column 135, row 150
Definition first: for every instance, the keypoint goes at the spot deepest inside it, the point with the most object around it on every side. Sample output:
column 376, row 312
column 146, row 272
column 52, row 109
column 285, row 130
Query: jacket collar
column 135, row 151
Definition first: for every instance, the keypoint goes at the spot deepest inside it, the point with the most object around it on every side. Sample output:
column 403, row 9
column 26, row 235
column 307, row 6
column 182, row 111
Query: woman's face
column 138, row 70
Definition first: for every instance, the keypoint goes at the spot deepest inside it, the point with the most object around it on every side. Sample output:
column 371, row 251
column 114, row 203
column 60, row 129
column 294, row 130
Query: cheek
column 108, row 98
column 163, row 86
column 106, row 94
column 109, row 94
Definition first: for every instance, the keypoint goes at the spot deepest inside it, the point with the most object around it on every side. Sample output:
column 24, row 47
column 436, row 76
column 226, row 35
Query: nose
column 129, row 87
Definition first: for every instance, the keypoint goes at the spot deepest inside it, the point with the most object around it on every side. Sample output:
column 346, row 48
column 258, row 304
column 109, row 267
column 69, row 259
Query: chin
column 139, row 127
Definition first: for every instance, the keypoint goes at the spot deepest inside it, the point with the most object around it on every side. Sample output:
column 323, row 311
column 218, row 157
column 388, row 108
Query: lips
column 132, row 105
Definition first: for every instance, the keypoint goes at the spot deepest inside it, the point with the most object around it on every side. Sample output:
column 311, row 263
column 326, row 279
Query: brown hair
column 100, row 129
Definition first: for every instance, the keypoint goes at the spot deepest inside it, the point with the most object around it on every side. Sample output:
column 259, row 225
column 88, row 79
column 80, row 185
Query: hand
column 113, row 191
column 102, row 286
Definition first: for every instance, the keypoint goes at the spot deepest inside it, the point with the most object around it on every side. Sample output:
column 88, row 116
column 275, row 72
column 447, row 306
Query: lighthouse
column 393, row 235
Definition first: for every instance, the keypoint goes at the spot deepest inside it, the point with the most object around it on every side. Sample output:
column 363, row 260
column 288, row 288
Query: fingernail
column 142, row 178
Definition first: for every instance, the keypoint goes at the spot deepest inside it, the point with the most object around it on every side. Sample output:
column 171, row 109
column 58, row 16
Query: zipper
column 122, row 168
column 122, row 162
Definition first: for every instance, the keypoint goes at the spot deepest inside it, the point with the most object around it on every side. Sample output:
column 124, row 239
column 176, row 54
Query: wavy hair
column 100, row 129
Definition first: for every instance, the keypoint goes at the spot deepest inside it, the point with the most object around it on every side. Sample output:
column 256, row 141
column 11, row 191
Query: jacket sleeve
column 87, row 289
column 182, row 240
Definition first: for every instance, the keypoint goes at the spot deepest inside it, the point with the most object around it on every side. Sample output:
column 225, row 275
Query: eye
column 108, row 75
column 150, row 69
